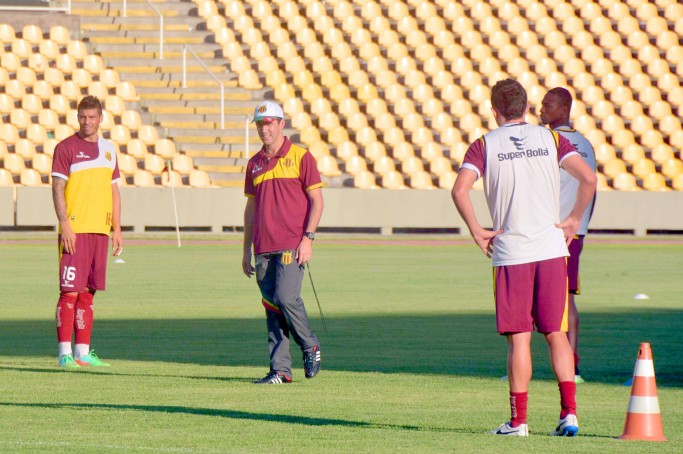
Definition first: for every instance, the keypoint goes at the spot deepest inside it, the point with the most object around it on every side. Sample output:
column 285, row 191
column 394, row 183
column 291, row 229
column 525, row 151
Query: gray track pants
column 279, row 278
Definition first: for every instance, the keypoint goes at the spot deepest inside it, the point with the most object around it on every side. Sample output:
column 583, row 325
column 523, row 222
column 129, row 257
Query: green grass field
column 411, row 362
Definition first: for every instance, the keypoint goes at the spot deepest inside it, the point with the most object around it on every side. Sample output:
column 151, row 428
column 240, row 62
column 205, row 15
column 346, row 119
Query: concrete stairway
column 189, row 116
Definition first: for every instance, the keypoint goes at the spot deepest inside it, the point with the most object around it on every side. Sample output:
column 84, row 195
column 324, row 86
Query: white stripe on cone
column 644, row 368
column 647, row 405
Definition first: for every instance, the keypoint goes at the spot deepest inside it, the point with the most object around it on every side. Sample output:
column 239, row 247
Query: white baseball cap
column 268, row 110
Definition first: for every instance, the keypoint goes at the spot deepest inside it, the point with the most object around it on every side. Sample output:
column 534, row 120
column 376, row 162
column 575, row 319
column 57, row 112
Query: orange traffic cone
column 643, row 421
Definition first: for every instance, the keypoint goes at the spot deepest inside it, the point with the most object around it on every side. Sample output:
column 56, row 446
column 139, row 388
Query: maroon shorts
column 531, row 294
column 87, row 268
column 575, row 248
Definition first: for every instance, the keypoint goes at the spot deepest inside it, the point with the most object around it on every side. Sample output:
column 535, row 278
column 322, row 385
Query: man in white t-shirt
column 555, row 109
column 520, row 164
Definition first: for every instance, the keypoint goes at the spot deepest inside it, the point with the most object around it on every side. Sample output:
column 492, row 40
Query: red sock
column 518, row 406
column 64, row 316
column 567, row 398
column 84, row 317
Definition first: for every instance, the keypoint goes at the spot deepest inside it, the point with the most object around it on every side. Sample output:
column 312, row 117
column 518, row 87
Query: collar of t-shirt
column 281, row 153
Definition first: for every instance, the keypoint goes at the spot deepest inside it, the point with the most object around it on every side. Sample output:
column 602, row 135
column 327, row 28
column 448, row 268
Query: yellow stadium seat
column 651, row 138
column 120, row 134
column 654, row 182
column 63, row 131
column 49, row 146
column 622, row 138
column 669, row 124
column 430, row 150
column 154, row 163
column 633, row 153
column 393, row 180
column 625, row 181
column 355, row 164
column 328, row 166
column 14, row 163
column 391, row 134
column 199, row 179
column 440, row 165
column 15, row 89
column 677, row 182
column 171, row 178
column 6, row 178
column 7, row 33
column 672, row 168
column 148, row 134
column 25, row 148
column 36, row 133
column 663, row 153
column 643, row 167
column 143, row 178
column 365, row 180
column 126, row 91
column 42, row 163
column 422, row 180
column 412, row 165
column 136, row 148
column 602, row 185
column 614, row 167
column 447, row 180
column 127, row 163
column 30, row 177
column 163, row 147
column 60, row 34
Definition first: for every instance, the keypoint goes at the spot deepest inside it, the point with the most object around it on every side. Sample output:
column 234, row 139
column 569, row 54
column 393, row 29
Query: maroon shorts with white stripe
column 531, row 294
column 575, row 248
column 87, row 267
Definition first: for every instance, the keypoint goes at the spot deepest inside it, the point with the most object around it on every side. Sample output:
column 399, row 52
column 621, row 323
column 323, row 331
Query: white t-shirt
column 570, row 185
column 520, row 166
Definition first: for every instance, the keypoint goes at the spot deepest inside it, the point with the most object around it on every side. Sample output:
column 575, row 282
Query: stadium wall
column 351, row 210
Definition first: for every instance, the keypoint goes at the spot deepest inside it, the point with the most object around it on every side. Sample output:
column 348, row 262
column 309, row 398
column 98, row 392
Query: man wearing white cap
column 284, row 206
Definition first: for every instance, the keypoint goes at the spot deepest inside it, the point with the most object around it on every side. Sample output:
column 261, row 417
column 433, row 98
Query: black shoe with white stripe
column 312, row 362
column 273, row 378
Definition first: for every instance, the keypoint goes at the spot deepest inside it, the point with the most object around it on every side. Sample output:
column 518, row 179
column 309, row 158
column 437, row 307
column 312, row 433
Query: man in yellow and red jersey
column 284, row 206
column 86, row 196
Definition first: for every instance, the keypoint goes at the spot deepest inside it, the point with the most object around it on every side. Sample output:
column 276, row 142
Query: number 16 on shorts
column 68, row 276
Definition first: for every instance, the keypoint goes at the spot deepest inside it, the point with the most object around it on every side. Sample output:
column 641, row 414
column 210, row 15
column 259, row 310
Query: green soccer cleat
column 68, row 362
column 91, row 359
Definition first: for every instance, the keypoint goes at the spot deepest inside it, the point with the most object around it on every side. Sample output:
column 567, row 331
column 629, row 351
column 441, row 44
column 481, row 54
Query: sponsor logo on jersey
column 518, row 143
column 82, row 155
column 257, row 168
column 286, row 258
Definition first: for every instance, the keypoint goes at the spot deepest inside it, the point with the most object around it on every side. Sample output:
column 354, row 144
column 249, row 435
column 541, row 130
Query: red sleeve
column 248, row 181
column 564, row 147
column 61, row 162
column 476, row 156
column 310, row 177
column 116, row 174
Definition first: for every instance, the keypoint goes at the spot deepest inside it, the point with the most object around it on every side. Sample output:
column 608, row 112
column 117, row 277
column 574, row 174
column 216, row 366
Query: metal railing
column 161, row 24
column 206, row 68
column 66, row 9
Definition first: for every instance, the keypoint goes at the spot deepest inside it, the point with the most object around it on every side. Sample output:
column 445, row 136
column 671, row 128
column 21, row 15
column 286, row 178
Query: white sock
column 82, row 350
column 64, row 348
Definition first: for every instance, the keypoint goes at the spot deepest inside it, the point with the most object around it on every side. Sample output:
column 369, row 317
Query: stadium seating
column 389, row 58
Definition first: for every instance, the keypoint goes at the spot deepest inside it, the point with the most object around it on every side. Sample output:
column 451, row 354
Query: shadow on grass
column 463, row 344
column 235, row 414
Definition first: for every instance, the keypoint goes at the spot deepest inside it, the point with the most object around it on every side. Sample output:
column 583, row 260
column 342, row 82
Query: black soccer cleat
column 273, row 378
column 312, row 362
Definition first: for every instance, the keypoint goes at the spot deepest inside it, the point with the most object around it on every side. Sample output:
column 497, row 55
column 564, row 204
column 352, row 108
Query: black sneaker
column 273, row 378
column 312, row 362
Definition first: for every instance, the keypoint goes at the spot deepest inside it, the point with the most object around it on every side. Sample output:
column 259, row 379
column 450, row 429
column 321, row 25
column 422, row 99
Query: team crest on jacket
column 286, row 258
column 107, row 155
